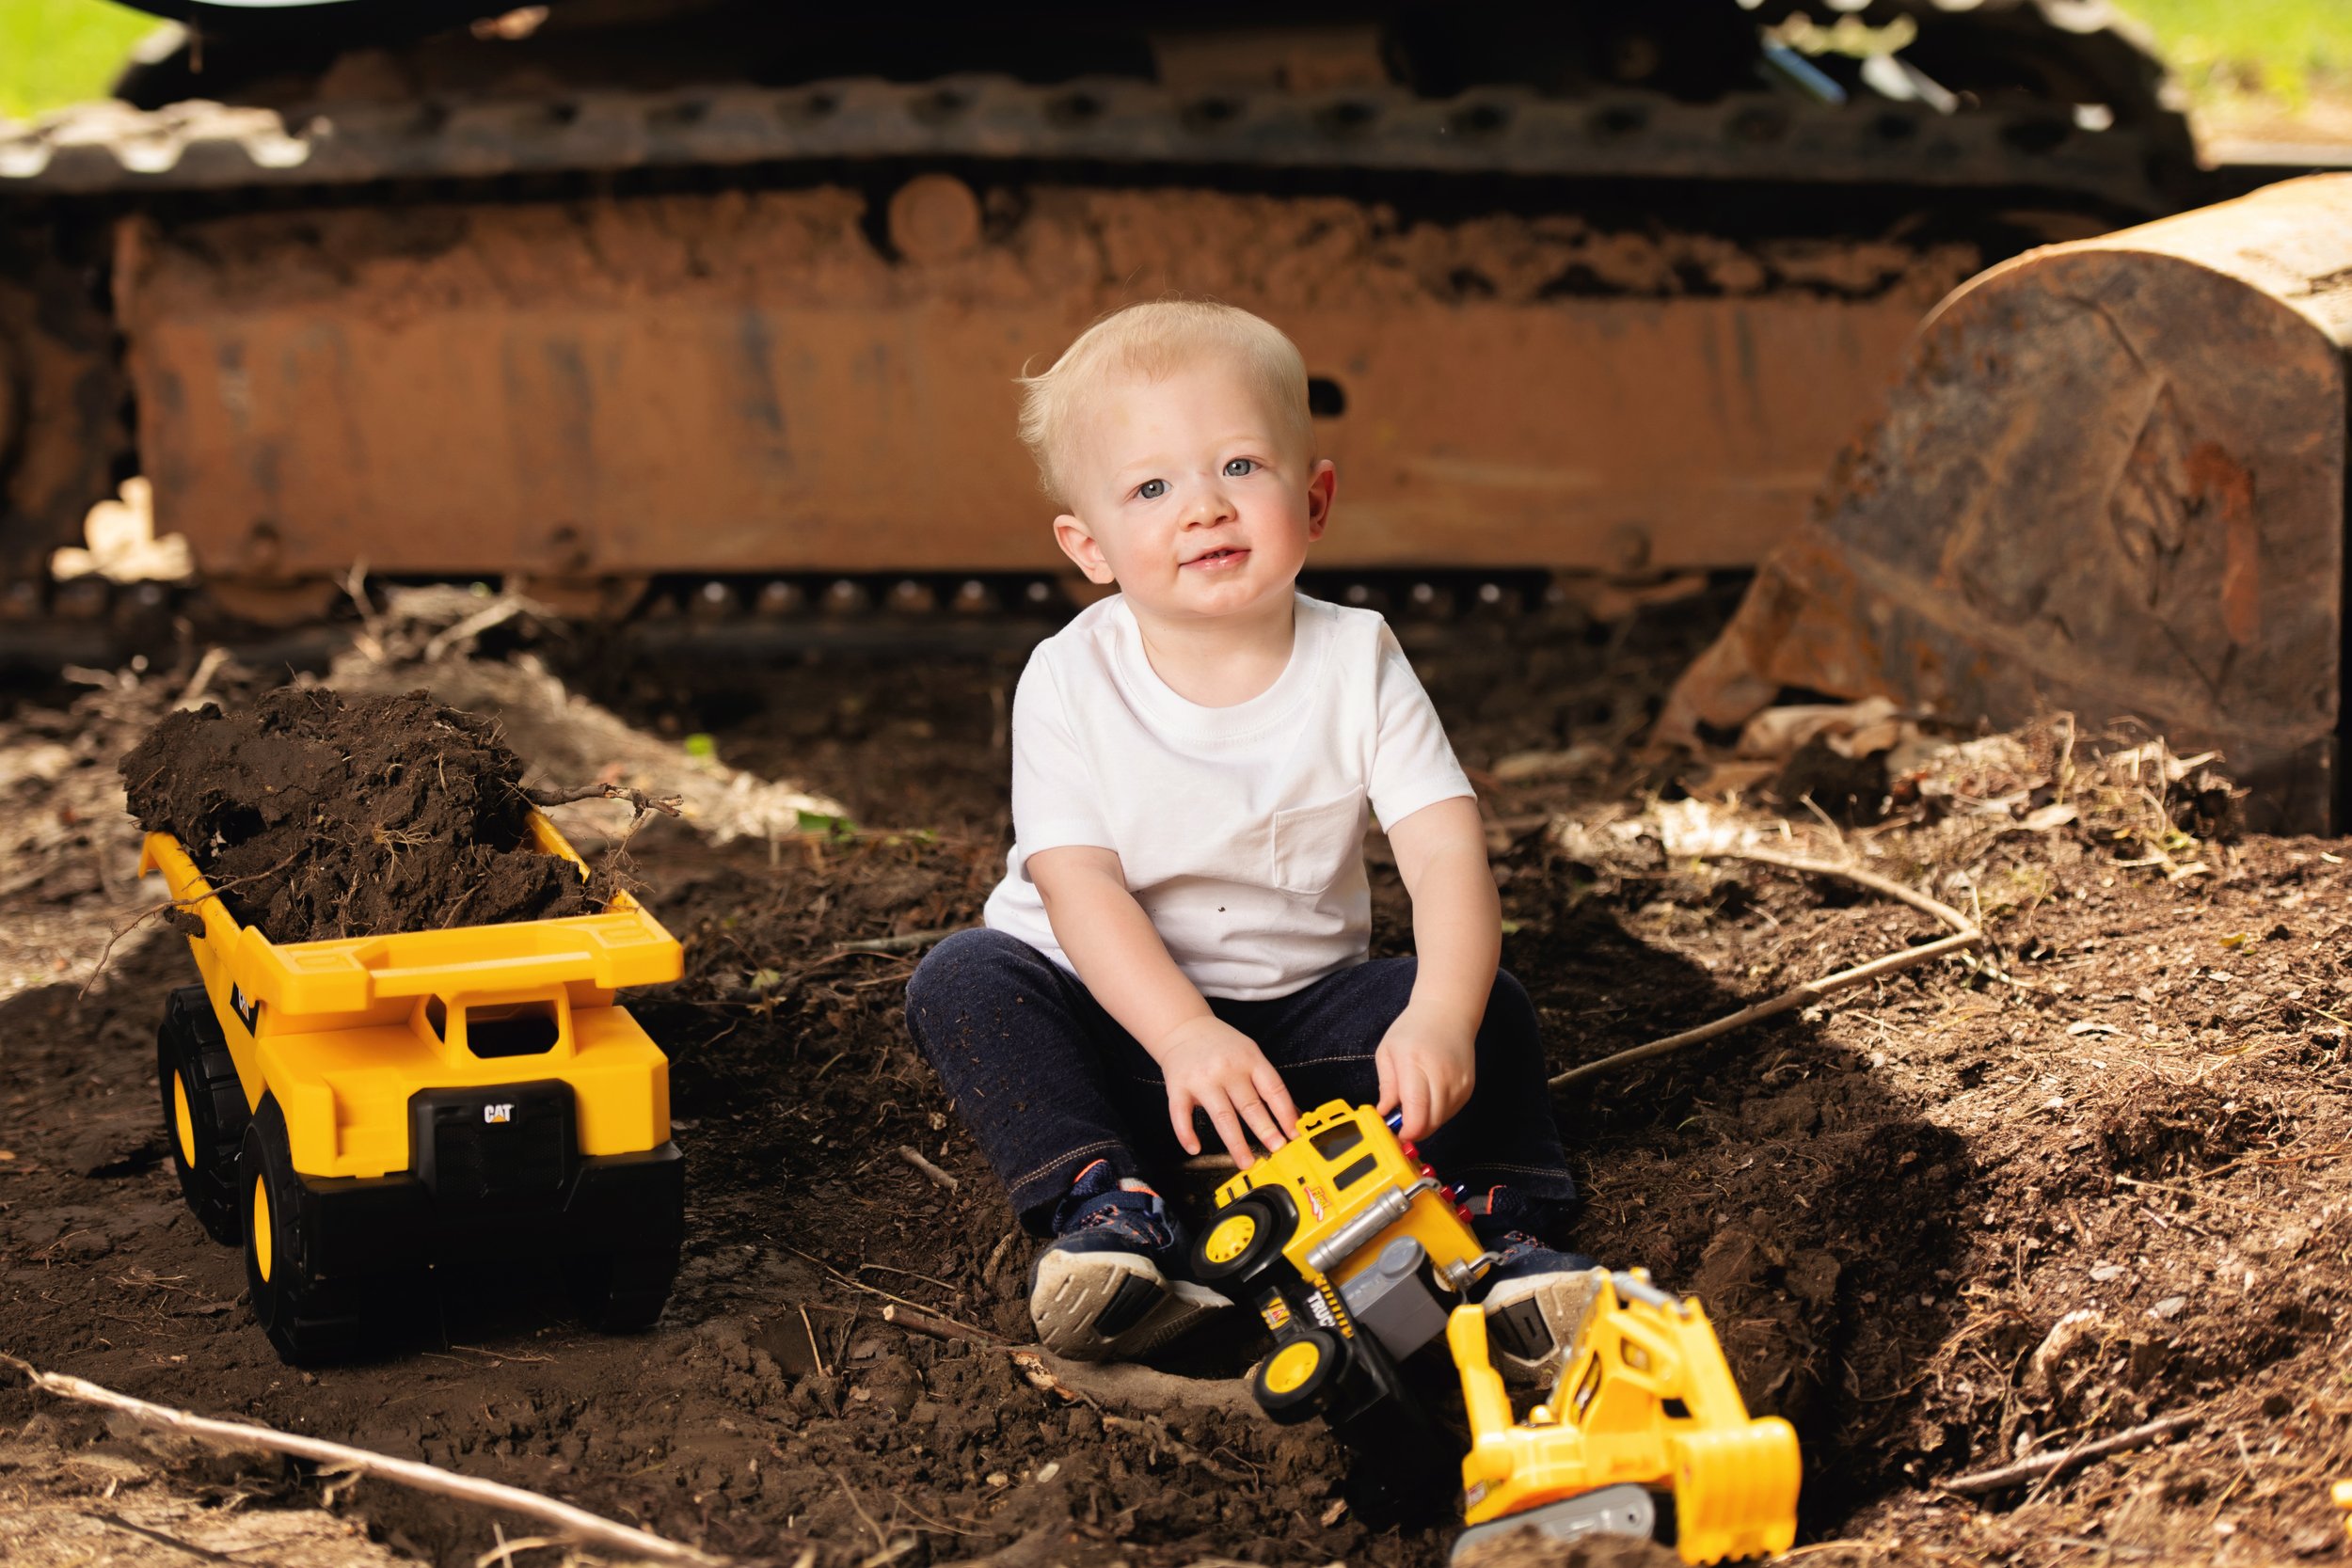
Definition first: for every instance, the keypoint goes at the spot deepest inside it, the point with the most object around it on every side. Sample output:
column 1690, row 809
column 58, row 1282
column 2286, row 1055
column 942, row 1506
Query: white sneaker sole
column 1531, row 1322
column 1074, row 1292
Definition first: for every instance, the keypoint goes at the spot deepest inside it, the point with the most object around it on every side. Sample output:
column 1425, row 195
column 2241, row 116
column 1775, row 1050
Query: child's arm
column 1208, row 1064
column 1428, row 1059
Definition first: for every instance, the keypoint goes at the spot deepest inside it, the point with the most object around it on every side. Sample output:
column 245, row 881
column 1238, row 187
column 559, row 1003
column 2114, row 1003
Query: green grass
column 2286, row 49
column 56, row 52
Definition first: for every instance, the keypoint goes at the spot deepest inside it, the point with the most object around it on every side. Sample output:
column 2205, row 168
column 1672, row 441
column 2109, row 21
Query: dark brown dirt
column 1938, row 1222
column 317, row 818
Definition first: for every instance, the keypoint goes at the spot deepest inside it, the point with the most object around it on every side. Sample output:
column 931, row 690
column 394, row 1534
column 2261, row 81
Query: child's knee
column 1510, row 1011
column 1510, row 1035
column 1510, row 998
column 966, row 969
column 972, row 956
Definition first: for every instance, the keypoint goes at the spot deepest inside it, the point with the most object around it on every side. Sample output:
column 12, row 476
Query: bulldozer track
column 1760, row 137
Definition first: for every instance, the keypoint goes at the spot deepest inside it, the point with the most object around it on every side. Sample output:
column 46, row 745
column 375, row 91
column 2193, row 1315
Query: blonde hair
column 1153, row 339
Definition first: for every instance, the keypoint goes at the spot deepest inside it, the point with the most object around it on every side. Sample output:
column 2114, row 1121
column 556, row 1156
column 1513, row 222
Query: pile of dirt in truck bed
column 314, row 817
column 1972, row 1213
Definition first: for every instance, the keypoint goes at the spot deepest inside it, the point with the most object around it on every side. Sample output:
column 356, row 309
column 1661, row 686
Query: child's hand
column 1213, row 1067
column 1428, row 1066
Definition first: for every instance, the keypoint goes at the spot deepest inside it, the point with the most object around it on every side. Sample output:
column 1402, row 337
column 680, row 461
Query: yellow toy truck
column 1350, row 1249
column 1643, row 1405
column 357, row 1111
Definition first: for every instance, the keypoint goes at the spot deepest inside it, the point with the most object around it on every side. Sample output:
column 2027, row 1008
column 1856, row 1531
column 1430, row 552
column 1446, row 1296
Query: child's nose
column 1210, row 504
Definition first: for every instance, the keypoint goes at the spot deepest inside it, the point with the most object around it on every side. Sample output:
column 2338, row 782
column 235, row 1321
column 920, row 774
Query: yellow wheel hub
column 1232, row 1236
column 183, row 1122
column 261, row 1237
column 1292, row 1365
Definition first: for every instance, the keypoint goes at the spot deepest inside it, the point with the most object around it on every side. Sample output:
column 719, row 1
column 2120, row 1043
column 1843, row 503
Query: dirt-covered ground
column 1968, row 1214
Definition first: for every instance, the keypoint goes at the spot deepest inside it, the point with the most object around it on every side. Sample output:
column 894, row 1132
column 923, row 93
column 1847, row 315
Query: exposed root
column 577, row 1523
column 915, row 1159
column 2067, row 1459
column 1964, row 934
column 668, row 805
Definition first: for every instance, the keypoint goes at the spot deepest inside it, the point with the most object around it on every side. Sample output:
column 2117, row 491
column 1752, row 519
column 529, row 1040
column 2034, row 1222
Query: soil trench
column 1958, row 1217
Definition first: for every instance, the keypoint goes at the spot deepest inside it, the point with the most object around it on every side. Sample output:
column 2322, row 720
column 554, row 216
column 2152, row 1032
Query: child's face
column 1190, row 497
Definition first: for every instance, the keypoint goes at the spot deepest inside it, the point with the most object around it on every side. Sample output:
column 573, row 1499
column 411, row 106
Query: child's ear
column 1321, row 486
column 1071, row 533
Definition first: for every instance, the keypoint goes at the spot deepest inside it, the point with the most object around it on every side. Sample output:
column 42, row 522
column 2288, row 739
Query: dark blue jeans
column 1049, row 1082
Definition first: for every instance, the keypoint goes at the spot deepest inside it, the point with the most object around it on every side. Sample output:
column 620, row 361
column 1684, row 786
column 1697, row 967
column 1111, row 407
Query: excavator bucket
column 2110, row 481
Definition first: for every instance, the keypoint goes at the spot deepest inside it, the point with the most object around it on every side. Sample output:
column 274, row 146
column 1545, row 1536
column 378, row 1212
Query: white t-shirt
column 1241, row 828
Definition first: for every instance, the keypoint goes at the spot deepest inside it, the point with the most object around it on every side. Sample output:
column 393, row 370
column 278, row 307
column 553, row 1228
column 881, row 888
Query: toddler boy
column 1181, row 932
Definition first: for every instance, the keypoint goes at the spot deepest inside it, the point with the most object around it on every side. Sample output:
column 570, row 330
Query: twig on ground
column 354, row 587
column 996, row 1254
column 881, row 1542
column 1031, row 1365
column 916, row 1159
column 577, row 1523
column 472, row 626
column 840, row 1278
column 1966, row 933
column 552, row 795
column 907, row 942
column 504, row 1551
column 815, row 1353
column 1886, row 886
column 915, row 1320
column 1981, row 1482
column 201, row 681
column 1155, row 1428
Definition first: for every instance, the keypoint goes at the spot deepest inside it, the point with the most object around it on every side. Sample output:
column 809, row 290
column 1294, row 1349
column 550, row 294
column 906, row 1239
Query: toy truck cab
column 357, row 1111
column 1350, row 1249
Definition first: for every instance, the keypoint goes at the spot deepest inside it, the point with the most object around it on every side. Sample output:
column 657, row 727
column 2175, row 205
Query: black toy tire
column 1264, row 1246
column 311, row 1322
column 621, row 1289
column 1296, row 1376
column 197, row 1081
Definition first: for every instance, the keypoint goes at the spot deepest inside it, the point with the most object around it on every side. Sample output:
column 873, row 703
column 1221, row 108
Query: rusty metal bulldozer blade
column 2110, row 481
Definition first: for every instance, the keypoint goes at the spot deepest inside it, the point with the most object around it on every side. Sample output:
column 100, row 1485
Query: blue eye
column 1239, row 466
column 1152, row 489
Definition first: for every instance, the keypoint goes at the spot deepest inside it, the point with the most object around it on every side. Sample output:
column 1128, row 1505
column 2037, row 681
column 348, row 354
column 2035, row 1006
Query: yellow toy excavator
column 1645, row 1405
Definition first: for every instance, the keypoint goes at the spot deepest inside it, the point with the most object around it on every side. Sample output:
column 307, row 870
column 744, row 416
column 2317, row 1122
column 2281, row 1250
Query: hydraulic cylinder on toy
column 1645, row 1405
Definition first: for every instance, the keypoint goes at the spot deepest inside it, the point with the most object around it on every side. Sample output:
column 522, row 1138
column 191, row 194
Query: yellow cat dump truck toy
column 357, row 1111
column 1645, row 1405
column 1351, row 1250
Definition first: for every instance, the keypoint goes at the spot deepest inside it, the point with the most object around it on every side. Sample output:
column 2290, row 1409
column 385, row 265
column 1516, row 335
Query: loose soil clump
column 317, row 818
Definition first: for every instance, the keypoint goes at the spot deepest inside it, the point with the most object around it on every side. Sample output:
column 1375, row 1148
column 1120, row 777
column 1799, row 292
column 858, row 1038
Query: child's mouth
column 1218, row 560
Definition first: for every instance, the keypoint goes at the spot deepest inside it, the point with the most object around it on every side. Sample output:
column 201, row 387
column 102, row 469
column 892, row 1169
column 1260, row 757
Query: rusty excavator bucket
column 2110, row 481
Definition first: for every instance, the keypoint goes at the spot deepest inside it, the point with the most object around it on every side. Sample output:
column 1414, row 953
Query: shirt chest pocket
column 1314, row 843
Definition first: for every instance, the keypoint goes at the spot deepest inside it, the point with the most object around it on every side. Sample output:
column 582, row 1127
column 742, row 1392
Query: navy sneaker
column 1536, row 1298
column 1111, row 1284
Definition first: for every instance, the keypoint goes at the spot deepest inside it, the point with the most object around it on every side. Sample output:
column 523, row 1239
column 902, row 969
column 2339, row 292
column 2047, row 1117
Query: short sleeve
column 1412, row 762
column 1053, row 784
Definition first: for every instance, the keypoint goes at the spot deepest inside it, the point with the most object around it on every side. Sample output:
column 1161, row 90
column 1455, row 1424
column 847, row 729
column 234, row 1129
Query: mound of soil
column 316, row 817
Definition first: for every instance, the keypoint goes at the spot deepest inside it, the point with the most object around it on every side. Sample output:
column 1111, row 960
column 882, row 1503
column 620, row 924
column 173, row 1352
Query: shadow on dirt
column 1812, row 1209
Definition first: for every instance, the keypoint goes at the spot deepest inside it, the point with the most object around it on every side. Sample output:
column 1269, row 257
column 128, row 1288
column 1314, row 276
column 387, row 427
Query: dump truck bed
column 349, row 1034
